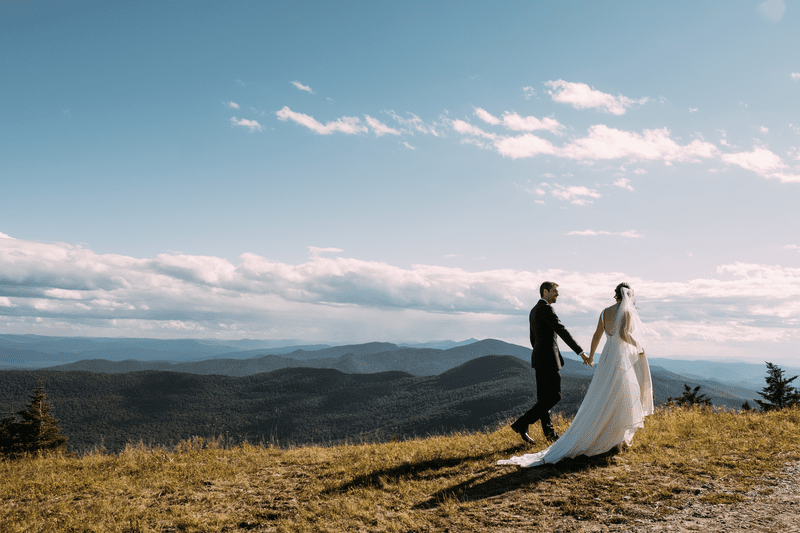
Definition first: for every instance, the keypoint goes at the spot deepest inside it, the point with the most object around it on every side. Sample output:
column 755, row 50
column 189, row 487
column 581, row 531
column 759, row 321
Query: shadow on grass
column 421, row 470
column 483, row 486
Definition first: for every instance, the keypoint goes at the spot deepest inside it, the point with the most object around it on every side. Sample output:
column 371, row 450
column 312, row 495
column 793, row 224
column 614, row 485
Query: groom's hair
column 618, row 290
column 547, row 286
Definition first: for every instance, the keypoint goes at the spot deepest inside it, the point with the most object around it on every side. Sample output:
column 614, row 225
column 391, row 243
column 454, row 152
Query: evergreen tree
column 746, row 406
column 689, row 397
column 778, row 393
column 8, row 434
column 38, row 430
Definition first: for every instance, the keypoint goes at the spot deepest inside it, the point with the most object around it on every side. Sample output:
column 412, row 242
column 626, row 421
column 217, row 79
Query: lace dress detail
column 608, row 328
column 615, row 405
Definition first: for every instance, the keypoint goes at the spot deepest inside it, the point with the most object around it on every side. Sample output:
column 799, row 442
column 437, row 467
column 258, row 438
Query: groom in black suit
column 547, row 360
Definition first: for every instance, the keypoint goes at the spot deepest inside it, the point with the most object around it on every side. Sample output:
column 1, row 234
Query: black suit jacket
column 545, row 326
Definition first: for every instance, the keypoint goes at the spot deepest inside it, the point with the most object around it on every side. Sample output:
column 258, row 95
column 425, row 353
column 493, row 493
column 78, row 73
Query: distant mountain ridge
column 302, row 405
column 746, row 375
column 38, row 351
column 100, row 354
column 291, row 405
column 210, row 357
column 360, row 358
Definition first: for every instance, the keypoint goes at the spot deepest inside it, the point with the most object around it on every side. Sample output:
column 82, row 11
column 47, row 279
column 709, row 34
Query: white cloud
column 603, row 142
column 527, row 145
column 346, row 125
column 515, row 122
column 486, row 116
column 413, row 123
column 772, row 10
column 581, row 96
column 632, row 234
column 466, row 128
column 316, row 251
column 539, row 191
column 404, row 143
column 232, row 105
column 692, row 110
column 624, row 183
column 245, row 123
column 761, row 161
column 573, row 194
column 476, row 142
column 792, row 247
column 302, row 87
column 529, row 92
column 796, row 75
column 764, row 129
column 379, row 127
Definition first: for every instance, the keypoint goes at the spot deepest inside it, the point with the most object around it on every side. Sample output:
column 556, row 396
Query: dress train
column 619, row 397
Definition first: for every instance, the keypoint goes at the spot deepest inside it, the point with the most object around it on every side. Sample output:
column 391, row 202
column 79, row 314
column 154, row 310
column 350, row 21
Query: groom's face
column 551, row 295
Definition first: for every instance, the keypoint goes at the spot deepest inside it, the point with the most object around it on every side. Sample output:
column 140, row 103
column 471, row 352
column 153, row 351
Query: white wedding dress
column 619, row 397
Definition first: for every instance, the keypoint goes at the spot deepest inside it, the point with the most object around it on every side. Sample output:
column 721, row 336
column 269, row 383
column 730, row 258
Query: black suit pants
column 548, row 393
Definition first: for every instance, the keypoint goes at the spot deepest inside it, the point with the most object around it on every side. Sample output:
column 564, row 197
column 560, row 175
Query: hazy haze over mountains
column 246, row 357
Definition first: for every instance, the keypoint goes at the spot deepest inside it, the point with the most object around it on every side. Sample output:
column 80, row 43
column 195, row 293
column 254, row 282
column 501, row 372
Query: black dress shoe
column 522, row 432
column 552, row 436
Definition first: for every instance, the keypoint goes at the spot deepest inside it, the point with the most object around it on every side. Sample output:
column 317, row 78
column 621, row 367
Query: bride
column 620, row 395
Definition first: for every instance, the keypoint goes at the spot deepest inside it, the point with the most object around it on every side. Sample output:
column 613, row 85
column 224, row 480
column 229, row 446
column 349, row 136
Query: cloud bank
column 60, row 287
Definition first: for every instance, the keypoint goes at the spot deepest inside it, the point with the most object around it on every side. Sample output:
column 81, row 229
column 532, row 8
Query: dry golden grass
column 435, row 484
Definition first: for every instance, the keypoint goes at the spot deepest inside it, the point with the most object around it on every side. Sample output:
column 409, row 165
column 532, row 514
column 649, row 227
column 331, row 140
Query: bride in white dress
column 619, row 397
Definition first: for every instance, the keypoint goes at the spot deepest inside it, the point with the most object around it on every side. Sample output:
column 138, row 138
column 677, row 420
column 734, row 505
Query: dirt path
column 771, row 506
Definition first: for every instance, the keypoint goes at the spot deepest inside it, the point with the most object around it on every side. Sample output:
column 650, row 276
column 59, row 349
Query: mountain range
column 210, row 356
column 300, row 393
column 301, row 405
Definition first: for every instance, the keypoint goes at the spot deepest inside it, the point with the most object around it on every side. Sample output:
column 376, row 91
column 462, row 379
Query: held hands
column 587, row 360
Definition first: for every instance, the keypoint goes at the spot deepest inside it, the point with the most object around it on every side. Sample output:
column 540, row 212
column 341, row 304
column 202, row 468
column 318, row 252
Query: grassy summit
column 436, row 484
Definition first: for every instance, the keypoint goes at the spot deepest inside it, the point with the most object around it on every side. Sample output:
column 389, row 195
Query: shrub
column 689, row 398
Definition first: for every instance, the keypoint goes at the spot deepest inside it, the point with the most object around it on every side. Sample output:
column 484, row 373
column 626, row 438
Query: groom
column 547, row 360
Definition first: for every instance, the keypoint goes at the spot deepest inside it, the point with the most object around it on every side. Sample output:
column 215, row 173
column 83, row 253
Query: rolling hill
column 300, row 405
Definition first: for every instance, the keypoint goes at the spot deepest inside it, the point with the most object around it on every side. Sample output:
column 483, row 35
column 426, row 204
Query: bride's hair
column 618, row 290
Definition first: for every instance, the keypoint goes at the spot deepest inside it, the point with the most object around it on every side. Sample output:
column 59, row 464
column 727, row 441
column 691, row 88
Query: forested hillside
column 299, row 405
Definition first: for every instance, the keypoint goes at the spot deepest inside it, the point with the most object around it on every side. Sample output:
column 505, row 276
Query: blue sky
column 397, row 171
